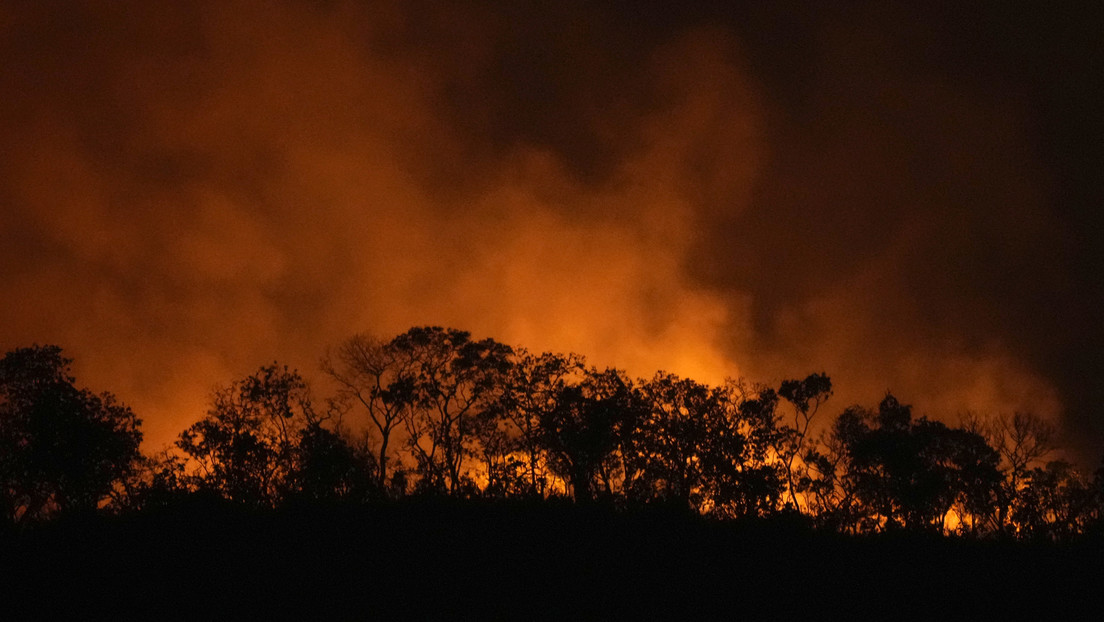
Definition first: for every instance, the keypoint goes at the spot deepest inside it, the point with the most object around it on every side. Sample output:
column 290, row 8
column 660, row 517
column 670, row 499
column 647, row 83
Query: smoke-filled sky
column 905, row 197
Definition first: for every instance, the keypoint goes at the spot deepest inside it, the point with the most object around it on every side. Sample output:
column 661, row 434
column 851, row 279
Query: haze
column 904, row 198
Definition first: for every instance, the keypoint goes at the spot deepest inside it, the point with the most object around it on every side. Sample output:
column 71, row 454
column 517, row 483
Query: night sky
column 903, row 195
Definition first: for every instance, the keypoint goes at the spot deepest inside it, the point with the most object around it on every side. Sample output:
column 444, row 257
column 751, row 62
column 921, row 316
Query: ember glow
column 893, row 196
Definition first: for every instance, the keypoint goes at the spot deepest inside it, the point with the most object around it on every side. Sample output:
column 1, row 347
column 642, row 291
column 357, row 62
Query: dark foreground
column 447, row 560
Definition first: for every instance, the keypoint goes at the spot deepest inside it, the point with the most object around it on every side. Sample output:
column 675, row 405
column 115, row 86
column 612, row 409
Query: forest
column 434, row 444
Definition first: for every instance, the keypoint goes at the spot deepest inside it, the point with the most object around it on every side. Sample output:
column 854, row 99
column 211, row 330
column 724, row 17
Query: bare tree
column 792, row 444
column 1024, row 440
column 379, row 378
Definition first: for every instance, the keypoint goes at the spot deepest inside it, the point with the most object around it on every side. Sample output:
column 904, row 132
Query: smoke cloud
column 190, row 192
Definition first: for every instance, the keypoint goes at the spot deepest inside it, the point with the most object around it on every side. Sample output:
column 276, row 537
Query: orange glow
column 209, row 189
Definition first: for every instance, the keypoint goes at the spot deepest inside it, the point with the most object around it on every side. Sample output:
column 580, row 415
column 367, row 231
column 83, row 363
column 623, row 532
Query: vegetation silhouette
column 62, row 449
column 453, row 477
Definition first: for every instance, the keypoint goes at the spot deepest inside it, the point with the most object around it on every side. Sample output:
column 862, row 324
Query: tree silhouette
column 246, row 446
column 588, row 422
column 160, row 481
column 380, row 377
column 61, row 448
column 672, row 442
column 792, row 444
column 909, row 473
column 453, row 379
column 1056, row 502
column 1024, row 440
column 328, row 467
column 742, row 476
column 530, row 390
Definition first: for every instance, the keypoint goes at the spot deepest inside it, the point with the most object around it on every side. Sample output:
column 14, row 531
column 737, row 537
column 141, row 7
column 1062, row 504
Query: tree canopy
column 433, row 411
column 61, row 448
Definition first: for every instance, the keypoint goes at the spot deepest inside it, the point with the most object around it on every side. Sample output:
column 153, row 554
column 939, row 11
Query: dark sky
column 903, row 195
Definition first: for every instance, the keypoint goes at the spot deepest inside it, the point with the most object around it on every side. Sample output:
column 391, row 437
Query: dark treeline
column 435, row 413
column 444, row 477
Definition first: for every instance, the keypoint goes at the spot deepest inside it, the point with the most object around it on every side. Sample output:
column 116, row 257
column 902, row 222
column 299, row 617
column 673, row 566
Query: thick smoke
column 191, row 192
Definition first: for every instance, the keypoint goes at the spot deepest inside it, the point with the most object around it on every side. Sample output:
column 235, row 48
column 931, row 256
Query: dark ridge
column 437, row 558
